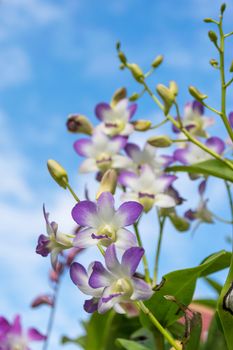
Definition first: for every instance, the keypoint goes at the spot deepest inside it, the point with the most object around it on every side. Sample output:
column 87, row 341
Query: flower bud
column 179, row 222
column 157, row 61
column 208, row 20
column 136, row 72
column 58, row 173
column 134, row 97
column 223, row 8
column 167, row 96
column 231, row 67
column 214, row 63
column 118, row 95
column 77, row 123
column 122, row 57
column 173, row 87
column 108, row 182
column 197, row 94
column 160, row 141
column 213, row 36
column 142, row 125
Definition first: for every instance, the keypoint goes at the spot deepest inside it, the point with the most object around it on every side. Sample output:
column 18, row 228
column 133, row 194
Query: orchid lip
column 142, row 195
column 99, row 236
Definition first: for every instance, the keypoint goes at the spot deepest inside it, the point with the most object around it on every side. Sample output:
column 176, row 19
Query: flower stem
column 158, row 249
column 156, row 323
column 72, row 192
column 144, row 259
column 186, row 132
column 52, row 314
column 231, row 205
column 159, row 124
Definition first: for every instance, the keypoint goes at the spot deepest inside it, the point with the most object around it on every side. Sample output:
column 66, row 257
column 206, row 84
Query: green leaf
column 215, row 340
column 211, row 167
column 211, row 303
column 193, row 342
column 226, row 317
column 181, row 284
column 214, row 284
column 131, row 345
column 78, row 341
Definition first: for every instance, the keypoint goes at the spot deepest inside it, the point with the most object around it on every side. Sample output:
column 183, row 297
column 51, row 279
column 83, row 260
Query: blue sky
column 57, row 58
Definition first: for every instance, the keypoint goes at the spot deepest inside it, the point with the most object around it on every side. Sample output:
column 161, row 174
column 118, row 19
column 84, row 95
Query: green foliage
column 142, row 339
column 215, row 340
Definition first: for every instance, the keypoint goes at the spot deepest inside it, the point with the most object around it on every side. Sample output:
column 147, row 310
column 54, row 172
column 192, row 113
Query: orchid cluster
column 134, row 179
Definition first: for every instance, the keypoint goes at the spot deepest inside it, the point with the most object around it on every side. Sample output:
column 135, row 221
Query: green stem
column 211, row 108
column 186, row 132
column 223, row 83
column 231, row 206
column 158, row 249
column 160, row 328
column 144, row 259
column 229, row 83
column 228, row 34
column 159, row 124
column 72, row 192
column 221, row 219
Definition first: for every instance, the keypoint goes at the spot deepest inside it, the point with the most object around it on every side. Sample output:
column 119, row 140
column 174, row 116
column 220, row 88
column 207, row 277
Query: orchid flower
column 115, row 118
column 194, row 119
column 192, row 154
column 102, row 153
column 103, row 224
column 54, row 242
column 114, row 286
column 147, row 188
column 147, row 156
column 12, row 336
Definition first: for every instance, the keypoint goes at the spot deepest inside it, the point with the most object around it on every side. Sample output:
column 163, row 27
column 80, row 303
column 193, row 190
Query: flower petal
column 85, row 238
column 121, row 162
column 132, row 150
column 125, row 239
column 111, row 260
column 85, row 214
column 100, row 109
column 34, row 335
column 100, row 277
column 125, row 178
column 88, row 165
column 131, row 259
column 164, row 201
column 216, row 144
column 108, row 300
column 132, row 109
column 181, row 155
column 78, row 275
column 128, row 213
column 105, row 206
column 82, row 147
column 230, row 117
column 198, row 107
column 16, row 327
column 120, row 140
column 142, row 290
column 91, row 305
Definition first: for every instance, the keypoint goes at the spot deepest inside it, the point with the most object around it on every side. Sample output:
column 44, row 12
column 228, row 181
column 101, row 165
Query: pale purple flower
column 115, row 118
column 114, row 286
column 192, row 154
column 147, row 156
column 102, row 153
column 147, row 188
column 54, row 242
column 103, row 224
column 12, row 336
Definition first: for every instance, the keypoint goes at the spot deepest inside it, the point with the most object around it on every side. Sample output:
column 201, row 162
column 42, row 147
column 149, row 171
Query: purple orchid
column 147, row 156
column 192, row 154
column 115, row 118
column 102, row 153
column 147, row 188
column 54, row 242
column 115, row 286
column 103, row 224
column 13, row 337
column 194, row 119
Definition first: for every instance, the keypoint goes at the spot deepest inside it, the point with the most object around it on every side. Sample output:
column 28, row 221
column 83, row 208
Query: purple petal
column 180, row 155
column 190, row 215
column 81, row 147
column 142, row 290
column 108, row 300
column 110, row 297
column 111, row 260
column 131, row 149
column 131, row 259
column 167, row 180
column 174, row 128
column 16, row 327
column 128, row 213
column 84, row 239
column 125, row 239
column 78, row 274
column 121, row 140
column 132, row 109
column 202, row 187
column 4, row 326
column 125, row 177
column 216, row 144
column 42, row 247
column 91, row 305
column 85, row 213
column 100, row 109
column 197, row 106
column 34, row 335
column 231, row 119
column 167, row 160
column 105, row 206
column 100, row 277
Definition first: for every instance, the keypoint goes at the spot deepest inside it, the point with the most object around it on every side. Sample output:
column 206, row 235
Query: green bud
column 58, row 173
column 160, row 141
column 223, row 8
column 122, row 57
column 134, row 97
column 208, row 20
column 142, row 125
column 231, row 67
column 157, row 61
column 136, row 72
column 108, row 182
column 214, row 63
column 78, row 123
column 213, row 36
column 167, row 96
column 173, row 87
column 179, row 222
column 121, row 66
column 118, row 45
column 118, row 95
column 197, row 94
